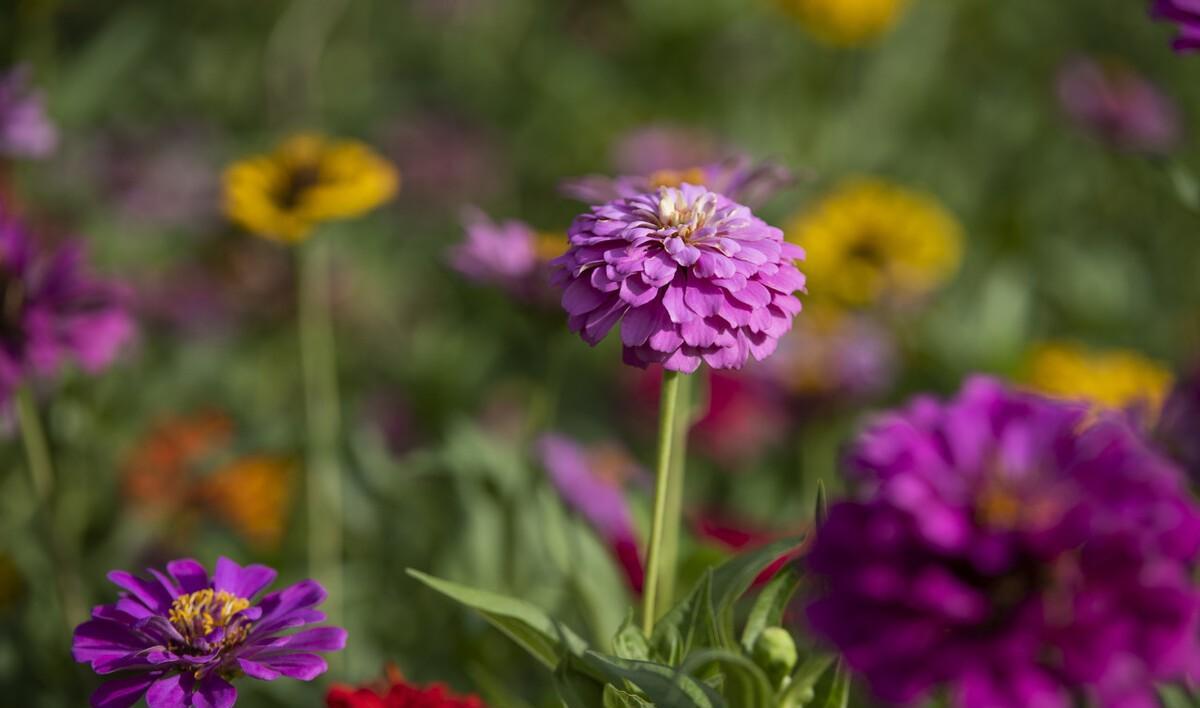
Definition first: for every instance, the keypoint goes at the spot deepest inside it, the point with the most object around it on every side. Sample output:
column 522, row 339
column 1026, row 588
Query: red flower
column 398, row 694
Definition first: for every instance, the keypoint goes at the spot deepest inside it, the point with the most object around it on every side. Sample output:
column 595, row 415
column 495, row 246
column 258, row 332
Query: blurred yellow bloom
column 549, row 245
column 1117, row 379
column 307, row 180
column 253, row 495
column 846, row 23
column 870, row 240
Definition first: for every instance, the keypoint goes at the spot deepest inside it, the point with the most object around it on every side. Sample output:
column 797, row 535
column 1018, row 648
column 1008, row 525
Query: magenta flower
column 690, row 275
column 1118, row 106
column 1008, row 548
column 53, row 311
column 25, row 130
column 590, row 484
column 180, row 638
column 1185, row 13
column 496, row 254
column 739, row 178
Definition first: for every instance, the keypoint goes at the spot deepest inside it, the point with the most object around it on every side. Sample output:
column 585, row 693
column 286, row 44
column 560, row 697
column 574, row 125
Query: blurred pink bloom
column 503, row 254
column 25, row 130
column 1119, row 106
column 655, row 147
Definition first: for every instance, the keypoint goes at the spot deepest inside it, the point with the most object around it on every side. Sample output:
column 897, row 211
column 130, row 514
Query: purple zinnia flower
column 1186, row 13
column 53, row 311
column 691, row 276
column 738, row 178
column 1013, row 550
column 25, row 131
column 499, row 254
column 183, row 635
column 591, row 485
column 1117, row 105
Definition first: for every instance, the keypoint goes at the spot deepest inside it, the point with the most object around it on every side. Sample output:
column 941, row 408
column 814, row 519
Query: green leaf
column 629, row 642
column 770, row 605
column 664, row 686
column 821, row 507
column 744, row 683
column 804, row 680
column 535, row 631
column 578, row 688
column 833, row 688
column 616, row 698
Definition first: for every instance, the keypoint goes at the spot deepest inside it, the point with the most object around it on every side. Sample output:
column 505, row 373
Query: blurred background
column 981, row 186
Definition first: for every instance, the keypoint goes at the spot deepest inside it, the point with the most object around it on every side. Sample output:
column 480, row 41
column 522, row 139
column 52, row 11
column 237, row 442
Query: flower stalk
column 323, row 418
column 668, row 494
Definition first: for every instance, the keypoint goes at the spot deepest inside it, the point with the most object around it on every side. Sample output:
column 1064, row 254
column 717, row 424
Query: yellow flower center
column 197, row 616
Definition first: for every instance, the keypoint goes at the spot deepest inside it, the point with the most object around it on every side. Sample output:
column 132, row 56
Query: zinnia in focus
column 181, row 637
column 308, row 180
column 690, row 275
column 1186, row 14
column 53, row 312
column 1118, row 379
column 846, row 23
column 1003, row 551
column 397, row 693
column 1118, row 106
column 870, row 241
column 25, row 130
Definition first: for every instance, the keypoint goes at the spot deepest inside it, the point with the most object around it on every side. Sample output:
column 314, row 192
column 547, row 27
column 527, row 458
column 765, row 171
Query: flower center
column 298, row 181
column 209, row 620
column 684, row 218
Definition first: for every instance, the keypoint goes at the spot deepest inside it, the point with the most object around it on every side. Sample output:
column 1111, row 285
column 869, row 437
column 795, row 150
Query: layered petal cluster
column 1119, row 106
column 54, row 312
column 397, row 693
column 25, row 129
column 690, row 275
column 1006, row 552
column 1186, row 14
column 180, row 637
column 739, row 178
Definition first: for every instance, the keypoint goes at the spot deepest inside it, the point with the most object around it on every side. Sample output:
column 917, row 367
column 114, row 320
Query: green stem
column 322, row 409
column 41, row 477
column 675, row 493
column 664, row 479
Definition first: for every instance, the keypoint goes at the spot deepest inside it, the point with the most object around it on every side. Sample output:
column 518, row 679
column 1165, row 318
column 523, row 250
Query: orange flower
column 253, row 496
column 155, row 475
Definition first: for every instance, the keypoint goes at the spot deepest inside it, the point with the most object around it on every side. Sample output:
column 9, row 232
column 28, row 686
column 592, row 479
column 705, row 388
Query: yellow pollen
column 199, row 614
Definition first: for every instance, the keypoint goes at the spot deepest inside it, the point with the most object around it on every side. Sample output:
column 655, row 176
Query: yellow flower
column 1116, row 379
column 846, row 23
column 253, row 495
column 869, row 240
column 549, row 245
column 307, row 180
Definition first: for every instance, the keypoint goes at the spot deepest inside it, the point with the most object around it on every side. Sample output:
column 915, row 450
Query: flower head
column 835, row 355
column 738, row 178
column 846, row 23
column 1186, row 14
column 1117, row 105
column 501, row 254
column 307, row 180
column 52, row 311
column 870, row 241
column 182, row 636
column 158, row 473
column 1118, row 379
column 25, row 130
column 253, row 495
column 590, row 482
column 397, row 693
column 1002, row 550
column 691, row 276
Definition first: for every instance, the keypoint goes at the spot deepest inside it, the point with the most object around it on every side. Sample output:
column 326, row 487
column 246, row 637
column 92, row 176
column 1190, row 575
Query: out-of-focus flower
column 181, row 637
column 445, row 160
column 53, row 311
column 870, row 241
column 738, row 178
column 1118, row 379
column 1186, row 14
column 1118, row 105
column 591, row 482
column 691, row 276
column 163, row 178
column 253, row 495
column 158, row 473
column 835, row 355
column 652, row 148
column 499, row 254
column 846, row 23
column 1002, row 550
column 1178, row 430
column 25, row 130
column 308, row 180
column 397, row 693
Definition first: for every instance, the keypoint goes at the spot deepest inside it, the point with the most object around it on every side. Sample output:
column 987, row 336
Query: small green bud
column 775, row 652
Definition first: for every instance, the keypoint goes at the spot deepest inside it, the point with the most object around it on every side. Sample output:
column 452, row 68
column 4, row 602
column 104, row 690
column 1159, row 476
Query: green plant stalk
column 675, row 493
column 668, row 416
column 322, row 415
column 41, row 478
